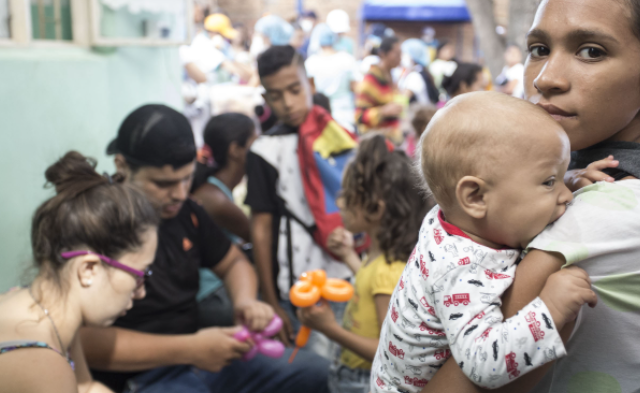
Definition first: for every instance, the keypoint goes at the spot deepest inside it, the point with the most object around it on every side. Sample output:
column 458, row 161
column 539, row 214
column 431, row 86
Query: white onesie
column 447, row 302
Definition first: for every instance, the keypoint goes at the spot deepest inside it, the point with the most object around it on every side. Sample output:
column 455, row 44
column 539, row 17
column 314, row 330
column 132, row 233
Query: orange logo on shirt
column 186, row 244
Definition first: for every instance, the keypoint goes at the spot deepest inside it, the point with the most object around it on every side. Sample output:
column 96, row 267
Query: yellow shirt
column 376, row 278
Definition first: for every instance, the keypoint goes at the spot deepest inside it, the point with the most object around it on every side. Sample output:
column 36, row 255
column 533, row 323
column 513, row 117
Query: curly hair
column 378, row 174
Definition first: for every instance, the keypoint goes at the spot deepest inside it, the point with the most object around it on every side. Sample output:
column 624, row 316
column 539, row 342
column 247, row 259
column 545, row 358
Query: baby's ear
column 470, row 195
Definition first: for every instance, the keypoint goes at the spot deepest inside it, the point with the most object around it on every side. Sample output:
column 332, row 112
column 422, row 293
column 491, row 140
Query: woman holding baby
column 583, row 68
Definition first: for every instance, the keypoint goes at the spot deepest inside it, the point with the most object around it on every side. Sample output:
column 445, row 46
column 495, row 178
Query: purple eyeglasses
column 139, row 275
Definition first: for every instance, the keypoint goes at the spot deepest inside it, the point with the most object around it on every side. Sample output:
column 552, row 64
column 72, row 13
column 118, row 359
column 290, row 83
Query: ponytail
column 89, row 211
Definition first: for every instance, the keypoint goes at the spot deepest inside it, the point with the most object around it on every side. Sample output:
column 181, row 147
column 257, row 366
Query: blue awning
column 416, row 10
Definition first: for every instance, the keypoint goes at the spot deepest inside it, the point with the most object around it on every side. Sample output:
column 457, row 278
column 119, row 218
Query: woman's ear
column 471, row 196
column 463, row 88
column 86, row 268
column 235, row 151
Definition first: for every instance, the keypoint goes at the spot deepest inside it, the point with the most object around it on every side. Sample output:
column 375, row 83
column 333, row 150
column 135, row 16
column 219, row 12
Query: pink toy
column 270, row 348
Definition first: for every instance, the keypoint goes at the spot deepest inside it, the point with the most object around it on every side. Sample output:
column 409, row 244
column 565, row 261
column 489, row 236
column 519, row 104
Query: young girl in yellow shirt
column 381, row 197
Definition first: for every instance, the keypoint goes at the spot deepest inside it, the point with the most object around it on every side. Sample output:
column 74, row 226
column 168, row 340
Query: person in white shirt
column 415, row 78
column 512, row 77
column 334, row 74
column 338, row 21
column 444, row 64
column 205, row 63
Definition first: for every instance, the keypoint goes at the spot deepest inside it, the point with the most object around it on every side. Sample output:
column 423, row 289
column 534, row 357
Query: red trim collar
column 455, row 231
column 450, row 228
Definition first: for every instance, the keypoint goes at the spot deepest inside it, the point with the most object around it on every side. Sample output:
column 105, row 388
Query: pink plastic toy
column 270, row 348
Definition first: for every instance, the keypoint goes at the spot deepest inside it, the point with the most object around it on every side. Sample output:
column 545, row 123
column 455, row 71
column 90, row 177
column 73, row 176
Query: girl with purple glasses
column 92, row 245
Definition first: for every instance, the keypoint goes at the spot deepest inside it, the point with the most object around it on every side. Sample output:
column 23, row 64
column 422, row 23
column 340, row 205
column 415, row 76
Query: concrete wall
column 56, row 99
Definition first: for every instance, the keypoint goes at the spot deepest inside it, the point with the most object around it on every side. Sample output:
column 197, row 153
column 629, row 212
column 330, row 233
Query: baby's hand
column 340, row 243
column 579, row 178
column 565, row 292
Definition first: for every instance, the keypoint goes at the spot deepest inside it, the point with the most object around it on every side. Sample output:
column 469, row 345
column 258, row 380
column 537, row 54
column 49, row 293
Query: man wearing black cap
column 157, row 345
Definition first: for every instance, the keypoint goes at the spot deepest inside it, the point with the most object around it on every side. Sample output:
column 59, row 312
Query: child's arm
column 532, row 274
column 493, row 352
column 322, row 319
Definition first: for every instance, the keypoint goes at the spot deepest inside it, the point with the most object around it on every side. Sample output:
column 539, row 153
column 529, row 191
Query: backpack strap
column 309, row 229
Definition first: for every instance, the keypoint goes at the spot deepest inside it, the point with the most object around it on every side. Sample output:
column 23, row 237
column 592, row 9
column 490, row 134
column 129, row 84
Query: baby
column 495, row 165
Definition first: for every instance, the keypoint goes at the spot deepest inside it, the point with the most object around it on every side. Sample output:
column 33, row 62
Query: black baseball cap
column 155, row 135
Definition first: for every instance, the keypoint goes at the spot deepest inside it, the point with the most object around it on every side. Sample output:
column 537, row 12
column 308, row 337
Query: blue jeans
column 308, row 374
column 343, row 379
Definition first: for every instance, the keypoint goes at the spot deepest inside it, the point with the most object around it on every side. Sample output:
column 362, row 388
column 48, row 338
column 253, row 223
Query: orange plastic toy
column 308, row 290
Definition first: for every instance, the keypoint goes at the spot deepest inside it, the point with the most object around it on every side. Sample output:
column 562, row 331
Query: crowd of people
column 399, row 173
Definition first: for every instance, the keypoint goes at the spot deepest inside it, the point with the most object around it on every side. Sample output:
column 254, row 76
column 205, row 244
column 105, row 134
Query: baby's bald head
column 483, row 134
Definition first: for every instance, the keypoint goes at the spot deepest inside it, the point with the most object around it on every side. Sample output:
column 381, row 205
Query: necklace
column 55, row 329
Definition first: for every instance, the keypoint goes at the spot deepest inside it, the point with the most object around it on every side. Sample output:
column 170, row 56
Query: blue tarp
column 416, row 10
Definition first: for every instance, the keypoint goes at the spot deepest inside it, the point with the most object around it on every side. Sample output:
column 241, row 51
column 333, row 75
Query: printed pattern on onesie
column 447, row 302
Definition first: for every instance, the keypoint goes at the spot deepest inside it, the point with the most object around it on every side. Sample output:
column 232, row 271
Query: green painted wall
column 55, row 100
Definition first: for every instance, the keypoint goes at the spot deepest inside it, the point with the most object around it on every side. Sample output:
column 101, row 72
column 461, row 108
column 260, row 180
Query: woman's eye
column 539, row 51
column 591, row 53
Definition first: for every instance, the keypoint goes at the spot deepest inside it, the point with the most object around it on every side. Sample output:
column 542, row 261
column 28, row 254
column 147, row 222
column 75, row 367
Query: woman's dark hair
column 387, row 44
column 221, row 131
column 466, row 72
column 441, row 45
column 635, row 11
column 378, row 174
column 91, row 211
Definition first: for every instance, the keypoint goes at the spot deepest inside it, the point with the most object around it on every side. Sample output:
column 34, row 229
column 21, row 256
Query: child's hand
column 565, row 292
column 319, row 317
column 340, row 243
column 579, row 178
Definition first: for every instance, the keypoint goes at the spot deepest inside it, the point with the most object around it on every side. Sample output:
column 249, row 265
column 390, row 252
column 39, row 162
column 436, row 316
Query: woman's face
column 584, row 69
column 392, row 59
column 113, row 291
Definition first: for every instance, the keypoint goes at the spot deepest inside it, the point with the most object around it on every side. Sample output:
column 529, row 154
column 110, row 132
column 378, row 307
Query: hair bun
column 74, row 171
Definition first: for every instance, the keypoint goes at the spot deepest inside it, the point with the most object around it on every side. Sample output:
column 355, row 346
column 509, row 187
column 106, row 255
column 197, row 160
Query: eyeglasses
column 139, row 275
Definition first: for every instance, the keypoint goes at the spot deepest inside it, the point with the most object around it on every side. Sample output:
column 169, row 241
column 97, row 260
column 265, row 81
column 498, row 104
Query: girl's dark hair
column 91, row 211
column 377, row 174
column 466, row 72
column 220, row 132
column 387, row 44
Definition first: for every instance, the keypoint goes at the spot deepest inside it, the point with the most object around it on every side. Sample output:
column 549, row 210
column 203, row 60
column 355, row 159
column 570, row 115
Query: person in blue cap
column 416, row 80
column 334, row 74
column 270, row 30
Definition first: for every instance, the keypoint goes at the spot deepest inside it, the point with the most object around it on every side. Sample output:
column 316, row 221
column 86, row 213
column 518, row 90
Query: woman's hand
column 319, row 317
column 579, row 178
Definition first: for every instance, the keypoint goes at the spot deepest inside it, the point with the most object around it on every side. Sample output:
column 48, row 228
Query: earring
column 89, row 282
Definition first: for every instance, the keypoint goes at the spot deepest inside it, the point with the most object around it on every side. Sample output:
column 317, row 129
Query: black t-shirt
column 262, row 197
column 186, row 243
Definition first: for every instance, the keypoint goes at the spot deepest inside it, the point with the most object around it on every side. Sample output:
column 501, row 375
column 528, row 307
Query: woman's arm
column 224, row 212
column 531, row 276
